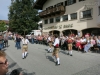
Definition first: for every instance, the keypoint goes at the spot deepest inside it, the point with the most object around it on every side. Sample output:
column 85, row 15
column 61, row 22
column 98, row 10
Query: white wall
column 98, row 19
column 51, row 3
column 77, row 7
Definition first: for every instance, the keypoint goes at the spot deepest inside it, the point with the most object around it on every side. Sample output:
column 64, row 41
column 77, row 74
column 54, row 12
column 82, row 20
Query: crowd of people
column 3, row 40
column 55, row 42
column 84, row 43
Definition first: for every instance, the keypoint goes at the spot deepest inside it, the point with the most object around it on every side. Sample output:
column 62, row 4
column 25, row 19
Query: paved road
column 39, row 62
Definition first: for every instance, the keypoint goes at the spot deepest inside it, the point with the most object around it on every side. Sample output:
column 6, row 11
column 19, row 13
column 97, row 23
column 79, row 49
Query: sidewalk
column 39, row 62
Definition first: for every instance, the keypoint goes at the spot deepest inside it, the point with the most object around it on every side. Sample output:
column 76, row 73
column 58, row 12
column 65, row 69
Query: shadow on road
column 20, row 70
column 12, row 65
column 64, row 52
column 8, row 46
column 4, row 49
column 50, row 58
column 46, row 49
column 24, row 72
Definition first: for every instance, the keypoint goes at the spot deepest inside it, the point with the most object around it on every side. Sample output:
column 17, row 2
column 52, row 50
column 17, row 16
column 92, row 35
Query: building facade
column 69, row 16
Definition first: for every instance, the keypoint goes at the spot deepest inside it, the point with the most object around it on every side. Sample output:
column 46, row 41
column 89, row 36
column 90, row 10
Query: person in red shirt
column 70, row 41
column 87, row 35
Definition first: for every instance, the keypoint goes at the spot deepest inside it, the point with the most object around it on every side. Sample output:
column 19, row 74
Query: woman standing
column 25, row 42
column 78, row 43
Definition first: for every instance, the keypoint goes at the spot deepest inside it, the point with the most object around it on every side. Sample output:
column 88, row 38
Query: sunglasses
column 4, row 62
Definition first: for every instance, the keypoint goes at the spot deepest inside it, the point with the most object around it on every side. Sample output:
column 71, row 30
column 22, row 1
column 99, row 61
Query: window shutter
column 69, row 17
column 81, row 14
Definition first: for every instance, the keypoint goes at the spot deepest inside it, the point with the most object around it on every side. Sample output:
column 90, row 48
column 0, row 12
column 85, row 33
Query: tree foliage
column 22, row 17
column 3, row 26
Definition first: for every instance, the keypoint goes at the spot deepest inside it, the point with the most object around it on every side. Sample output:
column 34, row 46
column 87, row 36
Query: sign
column 58, row 27
column 51, row 27
column 68, row 26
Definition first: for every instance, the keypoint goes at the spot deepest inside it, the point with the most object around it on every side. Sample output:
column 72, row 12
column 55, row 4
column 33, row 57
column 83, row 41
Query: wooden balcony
column 52, row 11
column 60, row 9
column 44, row 13
column 41, row 14
column 48, row 12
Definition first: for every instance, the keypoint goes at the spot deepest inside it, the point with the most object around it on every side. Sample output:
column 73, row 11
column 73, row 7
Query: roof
column 6, row 21
column 39, row 4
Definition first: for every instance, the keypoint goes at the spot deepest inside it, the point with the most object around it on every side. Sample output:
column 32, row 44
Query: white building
column 69, row 16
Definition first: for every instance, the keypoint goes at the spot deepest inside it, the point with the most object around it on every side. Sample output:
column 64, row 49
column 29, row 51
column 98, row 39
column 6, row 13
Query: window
column 45, row 21
column 73, row 16
column 50, row 7
column 65, row 3
column 87, row 14
column 59, row 4
column 51, row 20
column 99, row 10
column 65, row 17
column 54, row 5
column 57, row 19
column 70, row 2
column 81, row 0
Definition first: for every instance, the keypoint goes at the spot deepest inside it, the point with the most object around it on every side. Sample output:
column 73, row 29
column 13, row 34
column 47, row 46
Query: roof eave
column 39, row 4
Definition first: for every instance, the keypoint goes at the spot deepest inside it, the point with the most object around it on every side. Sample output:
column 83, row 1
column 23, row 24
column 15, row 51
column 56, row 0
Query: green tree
column 3, row 26
column 22, row 17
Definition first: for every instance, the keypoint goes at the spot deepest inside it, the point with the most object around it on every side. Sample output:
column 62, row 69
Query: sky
column 4, row 9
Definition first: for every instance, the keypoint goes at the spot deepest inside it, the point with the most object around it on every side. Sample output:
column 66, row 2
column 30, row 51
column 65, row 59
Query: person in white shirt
column 83, row 42
column 24, row 47
column 50, row 41
column 56, row 49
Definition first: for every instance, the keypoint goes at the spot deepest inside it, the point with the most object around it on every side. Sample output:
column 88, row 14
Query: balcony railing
column 50, row 11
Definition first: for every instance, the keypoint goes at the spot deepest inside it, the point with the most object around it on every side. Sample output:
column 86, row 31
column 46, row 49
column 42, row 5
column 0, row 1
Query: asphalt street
column 39, row 62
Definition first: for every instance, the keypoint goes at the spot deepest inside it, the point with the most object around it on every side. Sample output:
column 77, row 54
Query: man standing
column 3, row 63
column 6, row 39
column 32, row 38
column 56, row 49
column 24, row 47
column 1, row 42
column 18, row 40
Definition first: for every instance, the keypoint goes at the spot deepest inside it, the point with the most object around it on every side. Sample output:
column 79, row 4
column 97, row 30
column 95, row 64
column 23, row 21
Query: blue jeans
column 1, row 46
column 18, row 45
column 87, row 47
column 32, row 40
